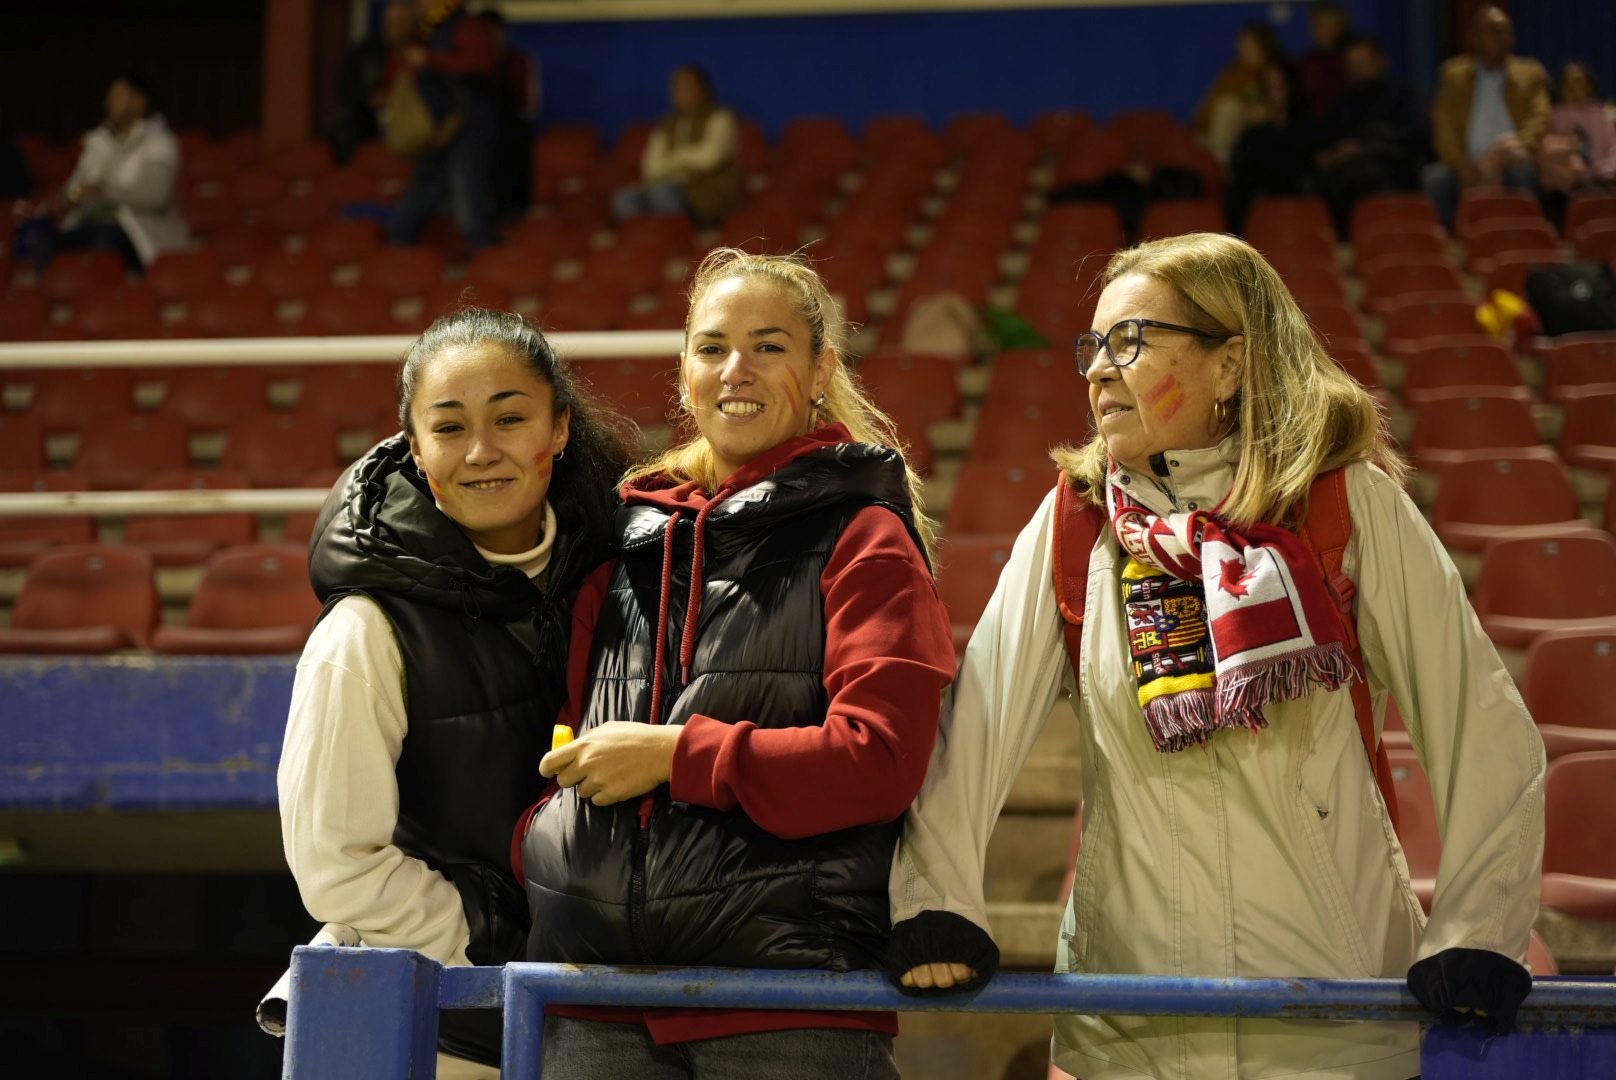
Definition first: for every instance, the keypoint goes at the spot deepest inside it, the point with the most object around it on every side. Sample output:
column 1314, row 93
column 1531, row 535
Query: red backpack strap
column 1326, row 531
column 1077, row 527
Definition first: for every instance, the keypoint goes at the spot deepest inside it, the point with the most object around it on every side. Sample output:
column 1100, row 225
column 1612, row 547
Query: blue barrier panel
column 325, row 977
column 141, row 732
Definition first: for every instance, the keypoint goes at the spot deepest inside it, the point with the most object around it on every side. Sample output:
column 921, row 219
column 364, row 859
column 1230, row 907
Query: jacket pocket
column 496, row 912
column 1312, row 809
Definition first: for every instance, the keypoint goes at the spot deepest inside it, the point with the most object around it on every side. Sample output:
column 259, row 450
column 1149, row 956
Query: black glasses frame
column 1103, row 342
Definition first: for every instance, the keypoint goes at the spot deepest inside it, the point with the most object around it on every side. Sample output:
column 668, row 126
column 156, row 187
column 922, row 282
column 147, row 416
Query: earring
column 559, row 454
column 420, row 472
column 1221, row 423
column 819, row 402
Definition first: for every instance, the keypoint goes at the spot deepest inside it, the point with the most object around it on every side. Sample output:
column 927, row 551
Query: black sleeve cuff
column 940, row 937
column 1475, row 979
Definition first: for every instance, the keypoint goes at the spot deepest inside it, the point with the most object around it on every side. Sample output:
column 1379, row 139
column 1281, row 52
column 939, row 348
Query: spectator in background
column 518, row 85
column 121, row 196
column 1237, row 93
column 16, row 178
column 1491, row 112
column 691, row 162
column 1580, row 148
column 1373, row 139
column 362, row 78
column 1271, row 157
column 455, row 64
column 1321, row 73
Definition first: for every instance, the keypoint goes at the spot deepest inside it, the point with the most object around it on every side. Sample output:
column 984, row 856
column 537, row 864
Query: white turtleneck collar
column 534, row 561
column 1194, row 480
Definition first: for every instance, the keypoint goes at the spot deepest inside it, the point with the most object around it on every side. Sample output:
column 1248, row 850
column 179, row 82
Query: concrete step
column 973, row 1046
column 1026, row 931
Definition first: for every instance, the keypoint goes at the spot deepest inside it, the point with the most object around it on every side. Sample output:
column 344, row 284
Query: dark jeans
column 94, row 236
column 1442, row 185
column 589, row 1050
column 459, row 177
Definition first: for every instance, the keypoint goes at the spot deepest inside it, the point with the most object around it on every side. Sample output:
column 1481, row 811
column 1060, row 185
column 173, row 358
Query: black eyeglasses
column 1121, row 342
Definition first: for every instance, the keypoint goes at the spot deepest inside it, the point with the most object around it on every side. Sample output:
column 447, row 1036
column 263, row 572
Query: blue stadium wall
column 934, row 64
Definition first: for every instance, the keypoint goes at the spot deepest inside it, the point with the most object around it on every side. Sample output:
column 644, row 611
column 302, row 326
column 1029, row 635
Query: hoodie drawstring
column 687, row 642
column 648, row 803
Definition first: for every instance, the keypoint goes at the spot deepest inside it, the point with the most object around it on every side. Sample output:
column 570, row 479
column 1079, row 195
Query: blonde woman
column 1232, row 822
column 755, row 683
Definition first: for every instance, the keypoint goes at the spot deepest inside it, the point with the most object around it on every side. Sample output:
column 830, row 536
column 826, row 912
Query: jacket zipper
column 636, row 885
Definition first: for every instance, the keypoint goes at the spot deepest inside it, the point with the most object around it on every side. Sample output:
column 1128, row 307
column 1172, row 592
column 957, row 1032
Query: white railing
column 246, row 352
column 183, row 502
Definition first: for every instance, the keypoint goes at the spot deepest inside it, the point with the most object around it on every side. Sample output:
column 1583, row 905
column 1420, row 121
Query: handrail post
column 344, row 1015
column 523, row 1056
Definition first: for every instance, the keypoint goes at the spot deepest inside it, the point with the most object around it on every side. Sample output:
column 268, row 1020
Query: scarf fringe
column 1243, row 692
column 1188, row 718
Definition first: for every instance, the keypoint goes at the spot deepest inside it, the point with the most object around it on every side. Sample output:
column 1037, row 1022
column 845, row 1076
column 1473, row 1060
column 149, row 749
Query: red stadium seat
column 1172, row 217
column 22, row 442
column 1528, row 587
column 1446, row 367
column 343, row 242
column 1579, row 364
column 1416, row 822
column 644, row 390
column 1588, row 208
column 299, row 525
column 1056, row 129
column 240, row 244
column 1390, row 281
column 298, row 214
column 1449, row 429
column 1314, row 284
column 916, row 445
column 665, row 234
column 1013, row 430
column 1291, row 221
column 84, row 599
column 206, row 216
column 300, row 161
column 352, row 395
column 1579, row 864
column 179, row 276
column 276, row 450
column 1377, row 211
column 997, row 497
column 1588, row 435
column 922, row 385
column 563, row 157
column 1480, row 501
column 189, row 539
column 1597, row 242
column 1510, row 271
column 1478, row 205
column 292, row 274
column 633, row 270
column 968, row 130
column 213, row 398
column 77, row 399
column 1501, row 236
column 1037, row 377
column 513, row 269
column 253, row 599
column 343, row 188
column 1355, row 360
column 584, row 305
column 1401, row 239
column 404, row 271
column 233, row 311
column 356, row 309
column 1566, row 686
column 1414, row 318
column 1334, row 320
column 968, row 570
column 76, row 273
column 24, row 314
column 1082, row 229
column 118, row 455
column 447, row 297
column 125, row 313
column 257, row 187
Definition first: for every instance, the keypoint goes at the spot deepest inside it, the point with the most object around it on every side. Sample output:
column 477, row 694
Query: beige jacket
column 1266, row 854
column 137, row 175
column 1526, row 94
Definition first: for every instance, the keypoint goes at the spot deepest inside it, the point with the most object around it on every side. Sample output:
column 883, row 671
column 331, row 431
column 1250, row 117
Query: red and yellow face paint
column 1166, row 399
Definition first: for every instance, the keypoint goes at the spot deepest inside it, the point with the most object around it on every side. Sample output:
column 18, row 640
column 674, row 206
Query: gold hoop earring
column 1221, row 423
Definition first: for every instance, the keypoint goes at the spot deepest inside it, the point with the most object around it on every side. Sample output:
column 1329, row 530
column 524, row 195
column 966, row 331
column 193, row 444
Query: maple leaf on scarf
column 1233, row 577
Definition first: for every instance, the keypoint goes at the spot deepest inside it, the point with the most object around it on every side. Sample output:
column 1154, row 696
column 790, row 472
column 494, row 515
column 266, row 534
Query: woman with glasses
column 1232, row 822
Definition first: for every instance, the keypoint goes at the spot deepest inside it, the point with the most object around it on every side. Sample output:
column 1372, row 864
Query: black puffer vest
column 662, row 882
column 484, row 652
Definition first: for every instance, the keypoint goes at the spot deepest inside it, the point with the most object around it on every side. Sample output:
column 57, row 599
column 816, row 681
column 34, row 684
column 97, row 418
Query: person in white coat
column 122, row 194
column 1232, row 824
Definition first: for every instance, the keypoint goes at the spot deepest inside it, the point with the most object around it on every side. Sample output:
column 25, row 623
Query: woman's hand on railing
column 938, row 951
column 1463, row 985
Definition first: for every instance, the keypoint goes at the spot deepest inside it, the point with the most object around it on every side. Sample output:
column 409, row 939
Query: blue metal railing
column 371, row 1014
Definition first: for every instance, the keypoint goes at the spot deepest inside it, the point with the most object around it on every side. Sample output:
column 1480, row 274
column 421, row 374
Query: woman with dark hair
column 1236, row 97
column 755, row 683
column 448, row 558
column 1580, row 148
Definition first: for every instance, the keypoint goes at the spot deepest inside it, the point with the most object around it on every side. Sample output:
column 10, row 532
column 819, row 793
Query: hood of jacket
column 381, row 531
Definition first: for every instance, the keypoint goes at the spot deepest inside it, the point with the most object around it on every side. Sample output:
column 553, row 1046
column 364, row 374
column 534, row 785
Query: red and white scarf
column 1273, row 629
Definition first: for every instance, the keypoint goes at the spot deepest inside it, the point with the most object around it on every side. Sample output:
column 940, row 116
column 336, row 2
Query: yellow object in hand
column 561, row 736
